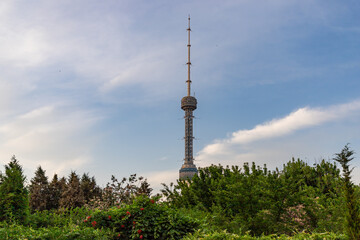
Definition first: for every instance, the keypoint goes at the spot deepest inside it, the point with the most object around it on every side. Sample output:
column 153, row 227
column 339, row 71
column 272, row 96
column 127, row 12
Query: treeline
column 298, row 198
column 77, row 208
column 230, row 201
column 17, row 199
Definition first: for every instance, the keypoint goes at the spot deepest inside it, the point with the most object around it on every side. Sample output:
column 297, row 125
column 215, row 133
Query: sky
column 95, row 86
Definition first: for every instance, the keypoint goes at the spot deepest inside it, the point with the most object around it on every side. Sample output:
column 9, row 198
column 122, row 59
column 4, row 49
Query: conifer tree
column 89, row 187
column 352, row 216
column 54, row 193
column 39, row 191
column 96, row 189
column 72, row 196
column 13, row 193
column 56, row 188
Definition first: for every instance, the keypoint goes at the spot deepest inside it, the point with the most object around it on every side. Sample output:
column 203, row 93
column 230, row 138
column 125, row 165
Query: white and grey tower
column 188, row 104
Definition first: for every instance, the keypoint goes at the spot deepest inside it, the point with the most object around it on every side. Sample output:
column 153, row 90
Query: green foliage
column 56, row 188
column 297, row 202
column 58, row 218
column 144, row 218
column 223, row 235
column 155, row 218
column 70, row 232
column 298, row 198
column 352, row 205
column 89, row 188
column 14, row 203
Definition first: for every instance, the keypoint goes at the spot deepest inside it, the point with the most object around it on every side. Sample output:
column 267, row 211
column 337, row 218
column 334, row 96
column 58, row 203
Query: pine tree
column 352, row 216
column 13, row 193
column 89, row 187
column 39, row 191
column 72, row 196
column 56, row 188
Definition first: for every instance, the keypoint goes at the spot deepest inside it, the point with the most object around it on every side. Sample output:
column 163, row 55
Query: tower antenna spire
column 188, row 62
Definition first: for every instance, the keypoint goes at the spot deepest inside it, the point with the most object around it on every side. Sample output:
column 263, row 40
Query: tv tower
column 188, row 104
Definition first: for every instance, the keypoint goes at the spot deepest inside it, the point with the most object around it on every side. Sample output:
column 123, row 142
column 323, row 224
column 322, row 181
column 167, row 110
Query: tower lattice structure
column 188, row 104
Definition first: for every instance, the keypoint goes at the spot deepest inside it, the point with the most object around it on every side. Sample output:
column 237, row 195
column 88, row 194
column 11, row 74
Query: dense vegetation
column 297, row 202
column 253, row 199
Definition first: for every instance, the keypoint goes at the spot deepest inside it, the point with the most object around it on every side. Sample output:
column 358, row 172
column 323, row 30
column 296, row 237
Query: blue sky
column 95, row 86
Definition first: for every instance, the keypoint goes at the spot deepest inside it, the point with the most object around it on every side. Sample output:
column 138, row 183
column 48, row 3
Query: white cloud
column 23, row 43
column 65, row 165
column 37, row 113
column 106, row 49
column 157, row 178
column 52, row 136
column 240, row 144
column 98, row 49
column 146, row 68
column 22, row 47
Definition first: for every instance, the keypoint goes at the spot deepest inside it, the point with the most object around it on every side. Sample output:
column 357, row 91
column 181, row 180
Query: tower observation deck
column 188, row 104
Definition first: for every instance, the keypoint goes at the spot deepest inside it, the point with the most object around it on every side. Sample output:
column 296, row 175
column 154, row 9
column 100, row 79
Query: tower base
column 187, row 171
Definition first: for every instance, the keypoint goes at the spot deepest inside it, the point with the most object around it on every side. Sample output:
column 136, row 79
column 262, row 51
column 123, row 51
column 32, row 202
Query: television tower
column 188, row 104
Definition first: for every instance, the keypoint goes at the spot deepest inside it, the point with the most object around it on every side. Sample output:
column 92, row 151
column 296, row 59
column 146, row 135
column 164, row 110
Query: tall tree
column 72, row 196
column 89, row 187
column 56, row 188
column 39, row 191
column 352, row 216
column 13, row 193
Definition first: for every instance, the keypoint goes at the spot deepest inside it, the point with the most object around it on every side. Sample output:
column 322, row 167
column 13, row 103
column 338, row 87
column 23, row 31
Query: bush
column 223, row 235
column 296, row 199
column 144, row 218
column 58, row 218
column 65, row 233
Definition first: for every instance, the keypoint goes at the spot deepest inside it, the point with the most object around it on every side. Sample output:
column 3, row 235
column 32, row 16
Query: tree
column 72, row 196
column 56, row 188
column 13, row 193
column 260, row 201
column 39, row 191
column 126, row 190
column 89, row 187
column 352, row 216
column 120, row 192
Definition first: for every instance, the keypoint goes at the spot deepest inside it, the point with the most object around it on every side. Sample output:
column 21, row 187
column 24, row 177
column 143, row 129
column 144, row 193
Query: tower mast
column 188, row 62
column 188, row 104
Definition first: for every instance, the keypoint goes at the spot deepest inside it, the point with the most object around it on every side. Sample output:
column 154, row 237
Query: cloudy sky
column 95, row 86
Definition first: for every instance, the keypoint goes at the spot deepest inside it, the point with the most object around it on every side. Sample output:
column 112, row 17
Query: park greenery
column 298, row 201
